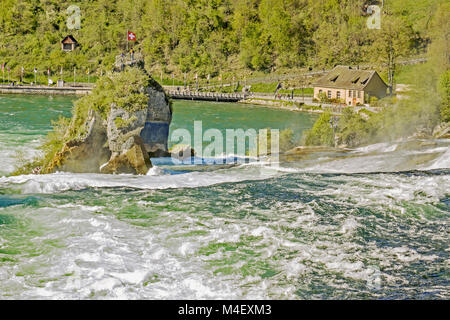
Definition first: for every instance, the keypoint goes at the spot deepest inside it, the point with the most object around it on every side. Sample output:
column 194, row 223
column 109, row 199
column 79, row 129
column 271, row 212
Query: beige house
column 350, row 86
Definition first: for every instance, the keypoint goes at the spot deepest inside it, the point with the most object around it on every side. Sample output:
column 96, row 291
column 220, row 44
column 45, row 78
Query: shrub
column 323, row 98
column 321, row 133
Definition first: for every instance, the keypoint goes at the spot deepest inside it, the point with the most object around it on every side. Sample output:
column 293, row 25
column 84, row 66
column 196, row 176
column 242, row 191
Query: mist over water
column 368, row 223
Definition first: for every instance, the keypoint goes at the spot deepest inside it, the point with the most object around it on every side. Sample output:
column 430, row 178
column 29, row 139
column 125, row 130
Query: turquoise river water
column 368, row 223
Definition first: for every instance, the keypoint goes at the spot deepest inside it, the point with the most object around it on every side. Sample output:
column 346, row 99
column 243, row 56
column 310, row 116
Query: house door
column 354, row 101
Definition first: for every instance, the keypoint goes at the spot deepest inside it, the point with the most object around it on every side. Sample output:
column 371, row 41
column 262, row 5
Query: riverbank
column 46, row 90
column 307, row 106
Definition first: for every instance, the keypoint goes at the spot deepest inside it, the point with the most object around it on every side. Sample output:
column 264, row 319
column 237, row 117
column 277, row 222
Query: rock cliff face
column 121, row 131
column 156, row 129
column 83, row 155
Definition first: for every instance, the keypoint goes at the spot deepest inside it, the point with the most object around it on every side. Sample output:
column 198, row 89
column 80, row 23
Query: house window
column 338, row 94
column 349, row 93
column 359, row 94
column 329, row 94
column 320, row 91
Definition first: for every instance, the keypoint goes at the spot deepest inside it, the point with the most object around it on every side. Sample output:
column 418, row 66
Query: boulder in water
column 86, row 153
column 132, row 159
column 117, row 128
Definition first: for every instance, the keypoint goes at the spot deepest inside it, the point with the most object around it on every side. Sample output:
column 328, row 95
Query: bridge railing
column 211, row 95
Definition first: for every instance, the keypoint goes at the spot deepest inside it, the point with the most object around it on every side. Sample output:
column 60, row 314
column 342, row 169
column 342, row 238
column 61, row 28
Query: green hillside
column 227, row 37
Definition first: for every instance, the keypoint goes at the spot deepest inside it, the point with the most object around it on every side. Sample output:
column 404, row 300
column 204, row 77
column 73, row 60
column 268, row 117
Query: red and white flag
column 131, row 36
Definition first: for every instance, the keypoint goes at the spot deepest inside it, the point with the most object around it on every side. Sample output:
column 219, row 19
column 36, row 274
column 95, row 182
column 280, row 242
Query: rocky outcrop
column 123, row 138
column 156, row 130
column 182, row 152
column 133, row 159
column 123, row 125
column 86, row 153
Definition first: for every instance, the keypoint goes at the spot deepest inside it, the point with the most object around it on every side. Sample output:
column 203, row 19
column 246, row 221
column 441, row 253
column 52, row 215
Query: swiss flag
column 131, row 36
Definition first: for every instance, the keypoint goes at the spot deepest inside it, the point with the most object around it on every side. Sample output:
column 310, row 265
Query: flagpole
column 127, row 41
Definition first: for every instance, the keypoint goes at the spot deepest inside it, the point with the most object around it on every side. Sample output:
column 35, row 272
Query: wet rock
column 182, row 152
column 159, row 115
column 130, row 130
column 133, row 159
column 86, row 153
column 122, row 125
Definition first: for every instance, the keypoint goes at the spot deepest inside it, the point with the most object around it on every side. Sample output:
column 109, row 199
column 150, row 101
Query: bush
column 125, row 88
column 286, row 140
column 323, row 98
column 321, row 133
column 373, row 101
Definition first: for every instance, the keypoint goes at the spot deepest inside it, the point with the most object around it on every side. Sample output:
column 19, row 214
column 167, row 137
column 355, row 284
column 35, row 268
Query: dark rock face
column 156, row 129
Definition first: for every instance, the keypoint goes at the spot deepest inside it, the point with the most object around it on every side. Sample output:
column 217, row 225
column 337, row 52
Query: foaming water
column 299, row 235
column 365, row 223
column 251, row 231
column 155, row 179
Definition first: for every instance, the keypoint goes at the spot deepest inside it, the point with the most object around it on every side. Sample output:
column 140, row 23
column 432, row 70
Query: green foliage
column 121, row 123
column 24, row 165
column 286, row 140
column 208, row 36
column 353, row 130
column 321, row 133
column 323, row 98
column 125, row 89
column 424, row 107
column 54, row 140
column 444, row 90
column 53, row 143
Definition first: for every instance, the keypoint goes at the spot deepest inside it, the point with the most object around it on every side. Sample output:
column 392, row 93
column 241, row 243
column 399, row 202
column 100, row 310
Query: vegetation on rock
column 127, row 90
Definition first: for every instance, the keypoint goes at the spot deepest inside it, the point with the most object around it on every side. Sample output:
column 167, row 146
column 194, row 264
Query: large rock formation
column 127, row 123
column 156, row 129
column 85, row 153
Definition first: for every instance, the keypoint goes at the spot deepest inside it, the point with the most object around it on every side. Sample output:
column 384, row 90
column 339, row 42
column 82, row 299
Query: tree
column 392, row 41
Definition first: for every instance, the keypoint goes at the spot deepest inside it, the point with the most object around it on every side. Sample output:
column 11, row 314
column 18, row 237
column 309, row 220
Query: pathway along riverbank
column 48, row 90
column 298, row 104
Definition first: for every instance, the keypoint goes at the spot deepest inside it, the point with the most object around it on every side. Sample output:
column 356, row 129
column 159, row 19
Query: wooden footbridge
column 207, row 96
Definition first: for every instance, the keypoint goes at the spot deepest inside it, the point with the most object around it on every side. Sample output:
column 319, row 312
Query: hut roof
column 69, row 39
column 348, row 78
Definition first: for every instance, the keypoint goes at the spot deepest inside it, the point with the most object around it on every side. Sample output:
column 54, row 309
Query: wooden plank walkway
column 207, row 96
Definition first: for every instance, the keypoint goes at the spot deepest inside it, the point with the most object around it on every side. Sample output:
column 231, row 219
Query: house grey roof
column 344, row 77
